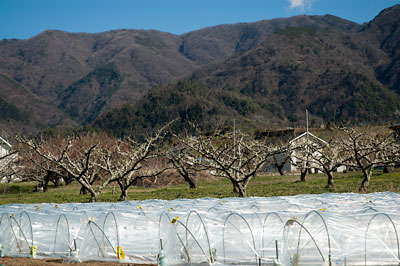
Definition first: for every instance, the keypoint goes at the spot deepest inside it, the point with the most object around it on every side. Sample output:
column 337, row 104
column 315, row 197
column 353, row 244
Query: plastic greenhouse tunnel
column 326, row 229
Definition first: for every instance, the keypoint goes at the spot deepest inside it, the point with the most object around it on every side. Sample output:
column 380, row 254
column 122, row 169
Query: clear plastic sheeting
column 326, row 229
column 381, row 240
column 239, row 243
column 62, row 238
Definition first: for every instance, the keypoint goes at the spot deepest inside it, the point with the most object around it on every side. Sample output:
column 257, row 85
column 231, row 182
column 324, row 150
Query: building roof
column 310, row 135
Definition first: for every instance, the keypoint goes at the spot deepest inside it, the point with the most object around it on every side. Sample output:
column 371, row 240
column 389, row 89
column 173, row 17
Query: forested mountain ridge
column 22, row 111
column 335, row 73
column 263, row 74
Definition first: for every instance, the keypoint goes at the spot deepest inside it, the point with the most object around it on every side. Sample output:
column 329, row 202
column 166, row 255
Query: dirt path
column 57, row 262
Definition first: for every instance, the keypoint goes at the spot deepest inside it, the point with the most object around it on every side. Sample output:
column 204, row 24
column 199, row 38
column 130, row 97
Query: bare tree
column 96, row 160
column 396, row 146
column 130, row 160
column 75, row 156
column 279, row 162
column 8, row 167
column 234, row 156
column 301, row 151
column 33, row 167
column 366, row 149
column 396, row 131
column 185, row 163
column 327, row 159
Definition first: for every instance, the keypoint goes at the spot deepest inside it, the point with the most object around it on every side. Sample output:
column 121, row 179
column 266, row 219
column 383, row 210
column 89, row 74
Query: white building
column 297, row 159
column 6, row 165
column 5, row 147
column 307, row 141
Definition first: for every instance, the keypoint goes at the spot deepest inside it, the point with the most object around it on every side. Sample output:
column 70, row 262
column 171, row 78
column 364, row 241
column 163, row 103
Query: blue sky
column 23, row 19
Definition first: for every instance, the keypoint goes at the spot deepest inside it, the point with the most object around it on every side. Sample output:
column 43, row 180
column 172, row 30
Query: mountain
column 386, row 29
column 222, row 42
column 328, row 72
column 264, row 73
column 332, row 72
column 52, row 63
column 22, row 111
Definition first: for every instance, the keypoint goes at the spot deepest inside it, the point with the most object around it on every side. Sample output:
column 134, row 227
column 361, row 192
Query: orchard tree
column 185, row 163
column 34, row 167
column 96, row 160
column 129, row 161
column 302, row 149
column 234, row 156
column 76, row 157
column 327, row 159
column 8, row 167
column 366, row 149
column 279, row 162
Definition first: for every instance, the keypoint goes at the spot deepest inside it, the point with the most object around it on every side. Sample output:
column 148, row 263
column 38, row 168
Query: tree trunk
column 365, row 182
column 280, row 168
column 303, row 174
column 83, row 191
column 191, row 181
column 94, row 196
column 388, row 169
column 46, row 181
column 123, row 196
column 279, row 165
column 187, row 176
column 124, row 191
column 330, row 180
column 57, row 181
column 240, row 187
column 184, row 172
column 68, row 179
column 235, row 188
column 242, row 191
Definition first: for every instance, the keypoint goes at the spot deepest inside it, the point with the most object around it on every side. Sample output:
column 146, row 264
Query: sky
column 22, row 19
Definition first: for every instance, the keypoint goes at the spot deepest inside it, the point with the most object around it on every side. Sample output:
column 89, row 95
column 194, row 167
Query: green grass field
column 261, row 186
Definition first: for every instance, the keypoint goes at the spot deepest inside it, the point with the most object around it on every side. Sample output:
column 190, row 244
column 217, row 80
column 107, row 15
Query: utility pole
column 308, row 142
column 307, row 123
column 234, row 139
column 234, row 147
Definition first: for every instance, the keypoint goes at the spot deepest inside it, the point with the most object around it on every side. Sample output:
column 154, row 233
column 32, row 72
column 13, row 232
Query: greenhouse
column 325, row 229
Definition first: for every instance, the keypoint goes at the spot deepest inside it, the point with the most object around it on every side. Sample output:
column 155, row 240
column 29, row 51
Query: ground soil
column 7, row 261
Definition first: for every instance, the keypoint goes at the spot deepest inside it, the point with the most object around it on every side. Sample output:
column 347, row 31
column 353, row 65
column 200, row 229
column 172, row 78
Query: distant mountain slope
column 22, row 111
column 52, row 61
column 332, row 73
column 84, row 99
column 386, row 29
column 224, row 41
column 327, row 72
column 263, row 73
